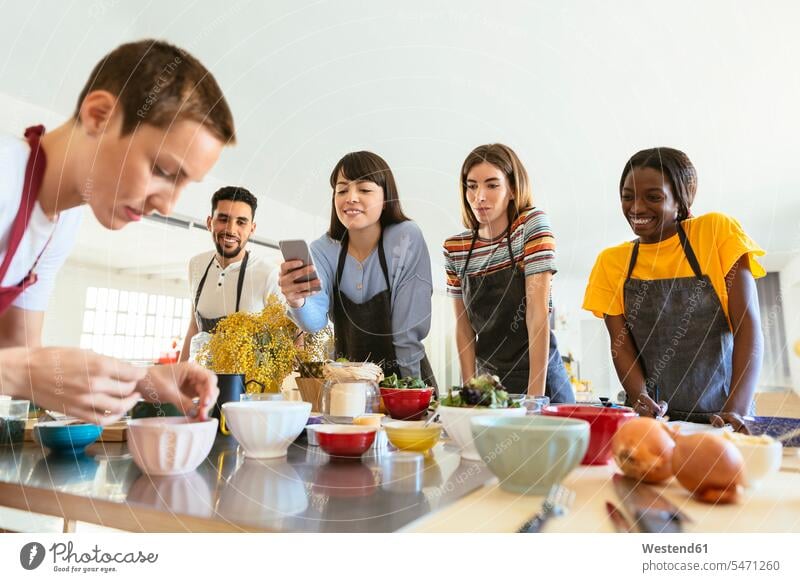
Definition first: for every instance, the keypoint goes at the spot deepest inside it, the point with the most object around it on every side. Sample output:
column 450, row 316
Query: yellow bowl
column 412, row 435
column 369, row 420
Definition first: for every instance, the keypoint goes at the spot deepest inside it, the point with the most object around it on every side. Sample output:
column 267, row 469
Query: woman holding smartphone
column 499, row 273
column 371, row 273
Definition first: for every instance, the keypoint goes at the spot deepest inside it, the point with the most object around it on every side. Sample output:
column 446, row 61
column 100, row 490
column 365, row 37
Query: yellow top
column 717, row 239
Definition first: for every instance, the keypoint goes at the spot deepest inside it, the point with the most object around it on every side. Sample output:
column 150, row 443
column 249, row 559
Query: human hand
column 80, row 383
column 732, row 418
column 296, row 292
column 646, row 406
column 190, row 387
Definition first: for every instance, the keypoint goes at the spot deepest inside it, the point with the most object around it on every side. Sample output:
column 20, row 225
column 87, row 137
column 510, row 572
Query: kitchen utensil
column 555, row 504
column 651, row 512
column 621, row 523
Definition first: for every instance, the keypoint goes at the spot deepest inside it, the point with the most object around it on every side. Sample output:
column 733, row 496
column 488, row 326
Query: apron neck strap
column 472, row 247
column 632, row 262
column 343, row 257
column 469, row 253
column 239, row 283
column 34, row 174
column 202, row 284
column 687, row 251
column 510, row 249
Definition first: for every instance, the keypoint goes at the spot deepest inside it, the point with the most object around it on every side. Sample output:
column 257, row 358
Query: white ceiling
column 574, row 87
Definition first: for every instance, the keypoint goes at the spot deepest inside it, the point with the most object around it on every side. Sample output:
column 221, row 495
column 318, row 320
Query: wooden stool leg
column 69, row 525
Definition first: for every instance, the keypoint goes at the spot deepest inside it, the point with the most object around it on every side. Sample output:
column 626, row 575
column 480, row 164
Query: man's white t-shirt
column 14, row 154
column 218, row 298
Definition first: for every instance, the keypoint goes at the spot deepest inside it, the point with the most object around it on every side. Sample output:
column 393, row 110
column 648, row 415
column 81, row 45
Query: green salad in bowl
column 397, row 383
column 483, row 391
column 484, row 395
column 405, row 398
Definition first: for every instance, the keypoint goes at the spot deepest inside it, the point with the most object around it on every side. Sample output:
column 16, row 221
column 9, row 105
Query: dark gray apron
column 363, row 331
column 208, row 324
column 496, row 305
column 683, row 340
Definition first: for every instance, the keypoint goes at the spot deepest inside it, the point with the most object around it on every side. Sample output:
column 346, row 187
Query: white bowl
column 456, row 422
column 266, row 428
column 170, row 445
column 762, row 457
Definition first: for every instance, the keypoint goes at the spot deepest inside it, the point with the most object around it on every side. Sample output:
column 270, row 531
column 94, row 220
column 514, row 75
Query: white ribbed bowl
column 266, row 428
column 170, row 445
column 456, row 422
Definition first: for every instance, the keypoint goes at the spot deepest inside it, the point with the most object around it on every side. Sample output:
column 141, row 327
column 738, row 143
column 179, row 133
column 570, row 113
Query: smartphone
column 297, row 250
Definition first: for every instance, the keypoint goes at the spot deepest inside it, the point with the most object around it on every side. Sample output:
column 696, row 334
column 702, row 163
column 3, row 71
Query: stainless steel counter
column 305, row 491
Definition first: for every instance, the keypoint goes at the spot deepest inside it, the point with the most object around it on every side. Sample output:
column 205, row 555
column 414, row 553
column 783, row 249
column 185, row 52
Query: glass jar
column 343, row 400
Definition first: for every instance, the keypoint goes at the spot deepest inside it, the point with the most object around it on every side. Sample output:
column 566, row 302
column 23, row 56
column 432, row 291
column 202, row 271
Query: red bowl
column 340, row 440
column 604, row 423
column 406, row 404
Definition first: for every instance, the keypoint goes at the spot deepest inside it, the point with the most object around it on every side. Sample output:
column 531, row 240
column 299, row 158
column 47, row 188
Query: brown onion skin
column 643, row 449
column 708, row 466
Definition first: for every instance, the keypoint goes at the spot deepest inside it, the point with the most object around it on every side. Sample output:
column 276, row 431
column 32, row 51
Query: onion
column 708, row 466
column 643, row 449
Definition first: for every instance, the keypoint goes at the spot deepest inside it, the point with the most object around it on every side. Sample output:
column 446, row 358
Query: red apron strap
column 34, row 173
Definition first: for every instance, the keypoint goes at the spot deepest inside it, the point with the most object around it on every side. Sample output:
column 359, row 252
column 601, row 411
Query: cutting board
column 113, row 433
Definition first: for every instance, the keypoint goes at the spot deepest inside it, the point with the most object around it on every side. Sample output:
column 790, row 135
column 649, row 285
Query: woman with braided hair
column 679, row 301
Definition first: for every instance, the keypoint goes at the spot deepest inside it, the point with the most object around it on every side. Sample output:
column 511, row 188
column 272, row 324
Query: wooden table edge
column 126, row 517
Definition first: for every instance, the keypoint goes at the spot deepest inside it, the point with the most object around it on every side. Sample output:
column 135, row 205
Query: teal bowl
column 530, row 454
column 69, row 439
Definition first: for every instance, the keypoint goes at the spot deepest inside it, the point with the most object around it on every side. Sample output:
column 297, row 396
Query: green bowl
column 148, row 410
column 530, row 454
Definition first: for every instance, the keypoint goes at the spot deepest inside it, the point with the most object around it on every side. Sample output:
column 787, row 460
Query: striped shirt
column 531, row 239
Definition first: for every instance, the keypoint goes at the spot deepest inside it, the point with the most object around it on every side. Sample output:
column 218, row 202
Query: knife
column 651, row 512
column 621, row 523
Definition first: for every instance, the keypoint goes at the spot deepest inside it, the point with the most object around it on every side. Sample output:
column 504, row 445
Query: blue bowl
column 66, row 439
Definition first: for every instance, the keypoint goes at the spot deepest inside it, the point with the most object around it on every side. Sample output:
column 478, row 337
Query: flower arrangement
column 317, row 349
column 263, row 346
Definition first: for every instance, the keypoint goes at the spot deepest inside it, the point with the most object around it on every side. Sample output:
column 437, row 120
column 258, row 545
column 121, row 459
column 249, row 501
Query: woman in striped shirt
column 499, row 273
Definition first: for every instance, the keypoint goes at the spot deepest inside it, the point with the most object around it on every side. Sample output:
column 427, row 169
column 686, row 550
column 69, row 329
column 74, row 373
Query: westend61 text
column 671, row 549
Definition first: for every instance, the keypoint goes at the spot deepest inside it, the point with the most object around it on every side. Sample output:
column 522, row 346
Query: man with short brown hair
column 150, row 119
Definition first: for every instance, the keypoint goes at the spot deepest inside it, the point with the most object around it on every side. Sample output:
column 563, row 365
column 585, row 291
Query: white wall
column 790, row 292
column 582, row 335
